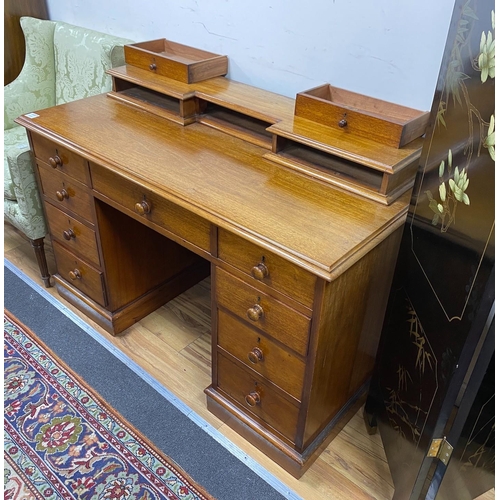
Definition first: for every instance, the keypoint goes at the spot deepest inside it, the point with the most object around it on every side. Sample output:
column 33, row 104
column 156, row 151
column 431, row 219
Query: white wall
column 389, row 49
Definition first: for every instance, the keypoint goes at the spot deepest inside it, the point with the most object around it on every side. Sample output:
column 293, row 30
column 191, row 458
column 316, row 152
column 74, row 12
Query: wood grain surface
column 227, row 182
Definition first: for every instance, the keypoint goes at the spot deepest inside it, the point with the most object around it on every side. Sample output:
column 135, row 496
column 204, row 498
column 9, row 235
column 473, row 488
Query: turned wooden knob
column 255, row 312
column 260, row 271
column 75, row 274
column 255, row 355
column 142, row 207
column 152, row 66
column 343, row 123
column 253, row 398
column 68, row 234
column 62, row 195
column 55, row 161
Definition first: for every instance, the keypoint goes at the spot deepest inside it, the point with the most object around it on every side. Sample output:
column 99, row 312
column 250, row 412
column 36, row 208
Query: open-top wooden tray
column 174, row 60
column 360, row 115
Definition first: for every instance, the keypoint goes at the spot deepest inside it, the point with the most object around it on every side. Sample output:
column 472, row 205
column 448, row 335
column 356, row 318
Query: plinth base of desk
column 294, row 462
column 117, row 321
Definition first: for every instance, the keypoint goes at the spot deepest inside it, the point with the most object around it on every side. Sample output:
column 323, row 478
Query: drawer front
column 261, row 354
column 88, row 280
column 164, row 213
column 267, row 267
column 67, row 193
column 61, row 159
column 257, row 397
column 262, row 311
column 77, row 236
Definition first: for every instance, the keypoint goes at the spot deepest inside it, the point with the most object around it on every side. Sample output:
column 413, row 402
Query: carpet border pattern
column 164, row 478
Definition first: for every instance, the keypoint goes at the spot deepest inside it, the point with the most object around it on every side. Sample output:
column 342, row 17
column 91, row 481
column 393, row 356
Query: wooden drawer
column 164, row 213
column 180, row 62
column 67, row 193
column 61, row 159
column 246, row 388
column 276, row 319
column 75, row 235
column 261, row 354
column 88, row 280
column 281, row 274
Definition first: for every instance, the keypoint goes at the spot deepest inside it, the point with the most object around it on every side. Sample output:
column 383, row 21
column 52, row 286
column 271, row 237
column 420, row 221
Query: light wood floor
column 173, row 345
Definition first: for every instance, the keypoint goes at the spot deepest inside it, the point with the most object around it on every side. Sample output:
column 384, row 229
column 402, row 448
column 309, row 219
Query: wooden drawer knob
column 343, row 122
column 255, row 312
column 55, row 161
column 260, row 271
column 75, row 274
column 68, row 234
column 253, row 398
column 142, row 207
column 255, row 355
column 62, row 195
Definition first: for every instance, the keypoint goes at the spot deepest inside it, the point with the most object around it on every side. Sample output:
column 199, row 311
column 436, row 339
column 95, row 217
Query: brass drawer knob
column 260, row 271
column 142, row 207
column 75, row 274
column 68, row 234
column 255, row 312
column 62, row 195
column 255, row 355
column 253, row 398
column 55, row 161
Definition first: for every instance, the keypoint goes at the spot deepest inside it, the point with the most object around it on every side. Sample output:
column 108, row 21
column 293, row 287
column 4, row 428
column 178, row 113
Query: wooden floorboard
column 173, row 344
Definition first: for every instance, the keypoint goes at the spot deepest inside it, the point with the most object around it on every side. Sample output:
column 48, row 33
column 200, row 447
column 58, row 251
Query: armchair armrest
column 25, row 212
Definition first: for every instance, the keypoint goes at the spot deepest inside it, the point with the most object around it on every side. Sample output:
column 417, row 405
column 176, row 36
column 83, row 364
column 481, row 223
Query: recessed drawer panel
column 152, row 207
column 88, row 280
column 261, row 354
column 262, row 311
column 61, row 159
column 267, row 267
column 257, row 397
column 77, row 236
column 67, row 193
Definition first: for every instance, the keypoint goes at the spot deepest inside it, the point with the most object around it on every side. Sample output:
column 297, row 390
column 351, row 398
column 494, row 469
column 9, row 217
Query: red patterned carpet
column 62, row 441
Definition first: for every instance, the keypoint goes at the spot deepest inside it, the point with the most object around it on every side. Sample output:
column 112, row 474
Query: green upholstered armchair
column 63, row 63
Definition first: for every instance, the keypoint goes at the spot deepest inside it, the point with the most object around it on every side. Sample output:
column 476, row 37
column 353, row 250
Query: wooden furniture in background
column 300, row 268
column 14, row 46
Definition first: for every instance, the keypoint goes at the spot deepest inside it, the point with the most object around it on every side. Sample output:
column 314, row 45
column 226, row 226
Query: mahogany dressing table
column 160, row 183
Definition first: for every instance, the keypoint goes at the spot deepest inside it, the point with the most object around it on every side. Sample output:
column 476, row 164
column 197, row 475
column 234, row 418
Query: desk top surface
column 225, row 180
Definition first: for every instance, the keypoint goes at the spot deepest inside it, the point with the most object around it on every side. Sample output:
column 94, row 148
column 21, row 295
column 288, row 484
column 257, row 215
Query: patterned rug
column 62, row 441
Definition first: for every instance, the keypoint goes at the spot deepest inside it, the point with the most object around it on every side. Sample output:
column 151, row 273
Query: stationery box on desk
column 361, row 115
column 174, row 60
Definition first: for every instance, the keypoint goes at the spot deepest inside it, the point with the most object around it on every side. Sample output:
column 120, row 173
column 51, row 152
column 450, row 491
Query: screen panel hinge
column 441, row 449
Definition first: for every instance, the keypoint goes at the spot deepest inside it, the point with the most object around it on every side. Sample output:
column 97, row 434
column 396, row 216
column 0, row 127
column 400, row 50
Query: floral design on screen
column 454, row 179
